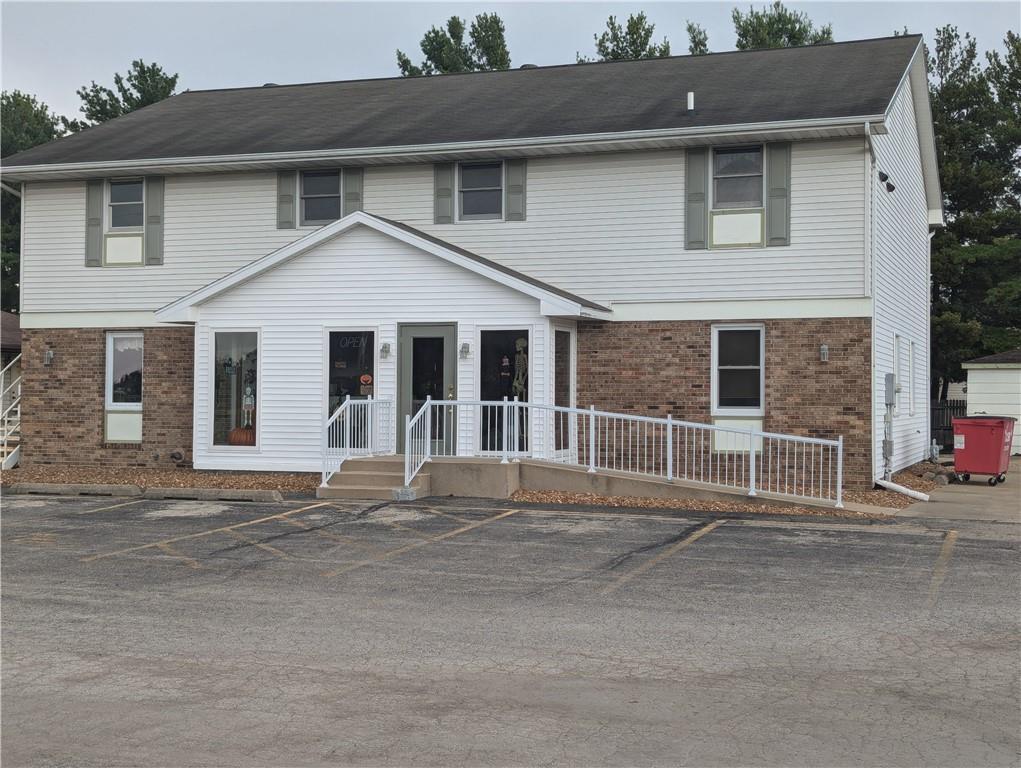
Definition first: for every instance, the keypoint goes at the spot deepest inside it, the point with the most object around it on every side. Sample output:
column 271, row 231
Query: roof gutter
column 393, row 154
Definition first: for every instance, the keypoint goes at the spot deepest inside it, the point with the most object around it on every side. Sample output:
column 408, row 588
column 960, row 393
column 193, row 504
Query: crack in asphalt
column 360, row 514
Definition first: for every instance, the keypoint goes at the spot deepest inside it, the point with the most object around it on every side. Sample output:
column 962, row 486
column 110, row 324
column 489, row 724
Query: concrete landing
column 974, row 500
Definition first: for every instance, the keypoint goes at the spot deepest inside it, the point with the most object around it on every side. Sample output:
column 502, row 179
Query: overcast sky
column 50, row 49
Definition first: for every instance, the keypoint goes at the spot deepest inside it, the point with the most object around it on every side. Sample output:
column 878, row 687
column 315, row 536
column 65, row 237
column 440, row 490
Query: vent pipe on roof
column 529, row 66
column 691, row 103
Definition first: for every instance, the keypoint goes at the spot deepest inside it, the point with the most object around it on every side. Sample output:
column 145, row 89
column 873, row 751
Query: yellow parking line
column 126, row 550
column 112, row 506
column 939, row 572
column 264, row 547
column 682, row 544
column 415, row 545
column 191, row 562
column 331, row 535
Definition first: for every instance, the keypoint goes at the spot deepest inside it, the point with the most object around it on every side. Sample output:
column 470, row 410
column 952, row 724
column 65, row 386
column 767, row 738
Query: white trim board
column 746, row 309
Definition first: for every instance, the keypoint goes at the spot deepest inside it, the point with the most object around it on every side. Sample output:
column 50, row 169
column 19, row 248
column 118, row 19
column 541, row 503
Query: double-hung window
column 480, row 191
column 127, row 205
column 737, row 178
column 737, row 217
column 320, row 197
column 123, row 418
column 738, row 385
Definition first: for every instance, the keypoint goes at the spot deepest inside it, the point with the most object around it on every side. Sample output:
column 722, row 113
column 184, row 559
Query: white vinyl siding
column 361, row 279
column 900, row 287
column 608, row 226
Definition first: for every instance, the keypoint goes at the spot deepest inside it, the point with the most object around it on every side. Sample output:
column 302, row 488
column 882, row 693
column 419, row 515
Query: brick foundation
column 63, row 403
column 656, row 368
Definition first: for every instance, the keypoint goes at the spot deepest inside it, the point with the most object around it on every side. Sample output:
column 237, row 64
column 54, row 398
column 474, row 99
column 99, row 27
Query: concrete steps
column 378, row 477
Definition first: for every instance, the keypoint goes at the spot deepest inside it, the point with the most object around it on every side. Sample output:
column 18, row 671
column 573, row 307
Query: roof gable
column 553, row 301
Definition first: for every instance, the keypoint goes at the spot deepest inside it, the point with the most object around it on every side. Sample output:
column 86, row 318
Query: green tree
column 446, row 50
column 976, row 259
column 24, row 122
column 698, row 40
column 630, row 41
column 144, row 84
column 777, row 27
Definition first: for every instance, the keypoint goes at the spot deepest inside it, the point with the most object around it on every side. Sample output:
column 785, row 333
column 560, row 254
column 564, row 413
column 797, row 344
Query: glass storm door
column 428, row 368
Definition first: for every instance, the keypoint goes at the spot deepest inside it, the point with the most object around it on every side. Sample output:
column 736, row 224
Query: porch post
column 591, row 438
column 506, row 430
column 669, row 446
column 428, row 427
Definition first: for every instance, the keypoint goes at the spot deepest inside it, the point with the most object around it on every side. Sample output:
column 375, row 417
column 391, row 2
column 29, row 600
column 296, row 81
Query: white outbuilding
column 994, row 388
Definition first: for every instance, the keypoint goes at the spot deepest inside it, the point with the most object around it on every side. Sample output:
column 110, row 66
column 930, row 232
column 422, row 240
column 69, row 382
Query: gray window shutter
column 696, row 197
column 287, row 190
column 516, row 178
column 154, row 220
column 443, row 193
column 354, row 179
column 94, row 190
column 778, row 199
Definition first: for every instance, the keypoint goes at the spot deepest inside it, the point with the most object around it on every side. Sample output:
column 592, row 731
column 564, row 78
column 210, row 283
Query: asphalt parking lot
column 139, row 632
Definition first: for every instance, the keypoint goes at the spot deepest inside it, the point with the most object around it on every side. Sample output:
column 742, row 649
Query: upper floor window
column 737, row 178
column 320, row 197
column 127, row 209
column 480, row 191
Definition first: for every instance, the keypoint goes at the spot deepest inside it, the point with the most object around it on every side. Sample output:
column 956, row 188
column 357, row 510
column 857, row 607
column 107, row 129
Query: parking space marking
column 682, row 544
column 255, row 543
column 939, row 572
column 191, row 562
column 331, row 535
column 389, row 554
column 200, row 534
column 112, row 506
column 455, row 518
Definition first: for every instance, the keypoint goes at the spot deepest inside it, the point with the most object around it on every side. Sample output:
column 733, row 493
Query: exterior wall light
column 384, row 350
column 465, row 352
column 47, row 357
column 824, row 353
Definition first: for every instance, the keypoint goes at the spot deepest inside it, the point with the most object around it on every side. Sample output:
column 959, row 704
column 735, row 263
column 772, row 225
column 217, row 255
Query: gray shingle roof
column 1010, row 356
column 837, row 80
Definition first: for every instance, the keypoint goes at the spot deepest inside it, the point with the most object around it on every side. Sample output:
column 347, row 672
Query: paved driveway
column 188, row 633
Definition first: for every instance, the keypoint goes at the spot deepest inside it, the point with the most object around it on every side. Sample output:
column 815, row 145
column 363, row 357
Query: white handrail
column 357, row 428
column 664, row 448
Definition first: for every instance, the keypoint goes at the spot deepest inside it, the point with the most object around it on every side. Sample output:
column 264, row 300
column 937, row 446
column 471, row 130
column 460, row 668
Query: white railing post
column 407, row 449
column 669, row 446
column 506, row 432
column 516, row 432
column 324, row 443
column 592, row 438
column 840, row 471
column 751, row 463
column 370, row 427
column 427, row 455
column 347, row 427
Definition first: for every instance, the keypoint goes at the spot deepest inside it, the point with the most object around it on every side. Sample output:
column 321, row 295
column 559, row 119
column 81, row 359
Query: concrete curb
column 96, row 489
column 76, row 489
column 212, row 494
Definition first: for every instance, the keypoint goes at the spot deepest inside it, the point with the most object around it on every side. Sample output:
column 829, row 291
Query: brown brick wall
column 656, row 368
column 63, row 403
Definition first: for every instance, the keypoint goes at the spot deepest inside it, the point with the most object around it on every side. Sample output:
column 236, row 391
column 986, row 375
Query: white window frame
column 474, row 219
column 896, row 374
column 300, row 213
column 715, row 212
column 108, row 207
column 712, row 176
column 911, row 378
column 717, row 410
column 211, row 389
column 376, row 332
column 535, row 396
column 110, row 405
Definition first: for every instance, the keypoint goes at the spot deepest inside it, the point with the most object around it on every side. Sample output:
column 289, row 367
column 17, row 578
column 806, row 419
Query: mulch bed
column 694, row 505
column 286, row 482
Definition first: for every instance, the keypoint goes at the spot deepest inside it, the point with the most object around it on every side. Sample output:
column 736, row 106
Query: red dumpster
column 982, row 446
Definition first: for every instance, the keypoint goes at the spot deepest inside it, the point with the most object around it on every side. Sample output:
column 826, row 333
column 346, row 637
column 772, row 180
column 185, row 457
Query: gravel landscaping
column 285, row 482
